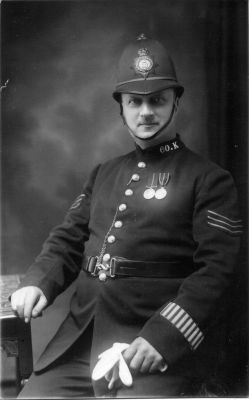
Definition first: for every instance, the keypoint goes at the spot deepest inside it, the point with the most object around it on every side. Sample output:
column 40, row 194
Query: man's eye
column 157, row 100
column 135, row 102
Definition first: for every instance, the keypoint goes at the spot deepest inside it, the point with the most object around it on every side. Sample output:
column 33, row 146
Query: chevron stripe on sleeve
column 77, row 201
column 223, row 223
column 184, row 323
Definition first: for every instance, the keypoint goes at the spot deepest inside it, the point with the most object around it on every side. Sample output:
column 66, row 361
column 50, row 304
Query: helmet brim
column 147, row 86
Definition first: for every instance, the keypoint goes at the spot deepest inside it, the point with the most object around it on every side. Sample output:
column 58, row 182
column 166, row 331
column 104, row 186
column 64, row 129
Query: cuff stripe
column 189, row 334
column 198, row 343
column 172, row 311
column 181, row 322
column 184, row 323
column 194, row 335
column 185, row 327
column 196, row 339
column 174, row 320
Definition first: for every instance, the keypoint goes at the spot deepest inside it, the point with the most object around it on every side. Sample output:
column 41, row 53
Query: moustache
column 147, row 122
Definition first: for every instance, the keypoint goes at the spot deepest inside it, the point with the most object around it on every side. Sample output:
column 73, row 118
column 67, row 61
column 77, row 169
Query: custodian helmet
column 145, row 67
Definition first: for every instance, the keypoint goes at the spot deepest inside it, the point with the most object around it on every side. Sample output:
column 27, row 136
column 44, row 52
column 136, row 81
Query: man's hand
column 28, row 302
column 142, row 357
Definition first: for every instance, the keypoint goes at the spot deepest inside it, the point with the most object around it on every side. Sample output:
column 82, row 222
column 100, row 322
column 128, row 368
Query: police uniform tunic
column 164, row 205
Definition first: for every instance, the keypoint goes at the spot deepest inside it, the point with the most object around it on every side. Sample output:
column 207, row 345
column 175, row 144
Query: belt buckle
column 93, row 260
column 113, row 267
column 101, row 271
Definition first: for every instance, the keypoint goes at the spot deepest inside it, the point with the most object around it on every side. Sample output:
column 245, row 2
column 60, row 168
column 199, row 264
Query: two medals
column 153, row 191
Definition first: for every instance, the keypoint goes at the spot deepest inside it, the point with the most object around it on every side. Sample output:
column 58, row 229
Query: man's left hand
column 142, row 357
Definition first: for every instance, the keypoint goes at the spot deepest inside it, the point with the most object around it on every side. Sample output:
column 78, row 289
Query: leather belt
column 121, row 267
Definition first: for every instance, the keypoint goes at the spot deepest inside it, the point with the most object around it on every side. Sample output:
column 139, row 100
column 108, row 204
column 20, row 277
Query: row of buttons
column 122, row 207
column 111, row 238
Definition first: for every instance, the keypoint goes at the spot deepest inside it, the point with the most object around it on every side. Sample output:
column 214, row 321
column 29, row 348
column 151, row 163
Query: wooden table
column 15, row 334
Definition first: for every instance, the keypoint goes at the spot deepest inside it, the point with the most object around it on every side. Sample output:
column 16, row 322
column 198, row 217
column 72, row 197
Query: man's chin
column 147, row 134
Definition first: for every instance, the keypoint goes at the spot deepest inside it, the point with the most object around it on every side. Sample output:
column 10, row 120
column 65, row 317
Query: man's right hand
column 28, row 302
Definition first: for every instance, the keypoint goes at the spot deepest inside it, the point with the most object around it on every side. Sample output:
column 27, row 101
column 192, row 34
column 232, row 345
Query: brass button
column 102, row 276
column 129, row 192
column 118, row 224
column 135, row 177
column 122, row 207
column 111, row 239
column 141, row 164
column 106, row 257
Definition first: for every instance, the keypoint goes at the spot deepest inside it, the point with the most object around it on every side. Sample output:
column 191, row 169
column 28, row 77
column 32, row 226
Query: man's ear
column 121, row 111
column 123, row 118
column 121, row 108
column 176, row 103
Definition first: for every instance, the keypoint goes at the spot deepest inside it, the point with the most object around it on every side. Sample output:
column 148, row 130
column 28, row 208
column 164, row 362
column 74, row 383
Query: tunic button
column 106, row 257
column 129, row 192
column 135, row 177
column 122, row 207
column 102, row 276
column 141, row 164
column 111, row 239
column 118, row 224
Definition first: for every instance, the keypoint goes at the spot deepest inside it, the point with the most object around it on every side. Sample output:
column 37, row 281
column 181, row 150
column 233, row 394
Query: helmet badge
column 144, row 63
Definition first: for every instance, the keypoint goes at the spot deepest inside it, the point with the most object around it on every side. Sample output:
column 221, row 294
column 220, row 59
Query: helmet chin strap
column 157, row 133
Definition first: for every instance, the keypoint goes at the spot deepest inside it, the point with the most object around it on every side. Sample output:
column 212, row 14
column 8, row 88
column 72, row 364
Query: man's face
column 147, row 114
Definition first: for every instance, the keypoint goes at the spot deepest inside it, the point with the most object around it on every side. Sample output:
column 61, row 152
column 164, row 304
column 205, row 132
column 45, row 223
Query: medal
column 161, row 193
column 149, row 193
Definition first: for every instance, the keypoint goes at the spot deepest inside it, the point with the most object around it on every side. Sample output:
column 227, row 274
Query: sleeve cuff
column 173, row 333
column 46, row 281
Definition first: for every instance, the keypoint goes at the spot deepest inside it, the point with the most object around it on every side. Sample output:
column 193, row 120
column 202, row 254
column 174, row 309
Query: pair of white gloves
column 112, row 366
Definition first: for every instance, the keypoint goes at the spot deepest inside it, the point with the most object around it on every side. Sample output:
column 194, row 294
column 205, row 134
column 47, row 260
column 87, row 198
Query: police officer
column 152, row 240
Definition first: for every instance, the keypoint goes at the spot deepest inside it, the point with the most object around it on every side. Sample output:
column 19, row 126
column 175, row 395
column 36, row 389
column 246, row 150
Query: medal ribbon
column 163, row 179
column 153, row 182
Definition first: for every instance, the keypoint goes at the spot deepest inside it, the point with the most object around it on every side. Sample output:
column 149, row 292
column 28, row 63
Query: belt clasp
column 102, row 270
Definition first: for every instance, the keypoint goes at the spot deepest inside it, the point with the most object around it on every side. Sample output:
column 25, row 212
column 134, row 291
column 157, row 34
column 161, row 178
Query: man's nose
column 146, row 110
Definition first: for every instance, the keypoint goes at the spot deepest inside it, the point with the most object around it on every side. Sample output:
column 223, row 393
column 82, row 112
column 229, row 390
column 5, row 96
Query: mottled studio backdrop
column 59, row 119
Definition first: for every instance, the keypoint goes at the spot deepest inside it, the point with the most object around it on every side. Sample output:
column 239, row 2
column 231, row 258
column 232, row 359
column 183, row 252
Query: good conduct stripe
column 222, row 216
column 225, row 223
column 223, row 227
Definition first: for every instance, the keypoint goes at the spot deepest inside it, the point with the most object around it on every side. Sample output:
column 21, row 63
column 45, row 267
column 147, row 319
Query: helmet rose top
column 146, row 67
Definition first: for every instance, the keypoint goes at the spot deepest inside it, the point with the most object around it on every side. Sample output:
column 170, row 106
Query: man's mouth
column 148, row 124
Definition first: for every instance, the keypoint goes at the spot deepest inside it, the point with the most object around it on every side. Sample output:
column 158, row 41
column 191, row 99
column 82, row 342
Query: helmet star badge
column 144, row 63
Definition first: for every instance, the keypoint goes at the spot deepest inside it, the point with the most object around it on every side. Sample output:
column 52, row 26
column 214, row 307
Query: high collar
column 162, row 149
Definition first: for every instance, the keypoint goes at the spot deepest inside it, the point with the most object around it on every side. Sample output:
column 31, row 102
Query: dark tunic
column 196, row 224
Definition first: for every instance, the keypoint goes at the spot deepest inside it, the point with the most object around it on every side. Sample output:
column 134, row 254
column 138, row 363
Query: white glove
column 112, row 364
